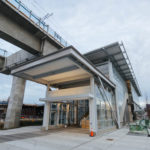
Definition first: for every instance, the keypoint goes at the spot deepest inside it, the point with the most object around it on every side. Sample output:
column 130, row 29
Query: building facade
column 97, row 90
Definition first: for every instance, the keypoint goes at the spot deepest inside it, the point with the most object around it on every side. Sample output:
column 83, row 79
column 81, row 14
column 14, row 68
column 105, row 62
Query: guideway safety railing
column 17, row 4
column 104, row 95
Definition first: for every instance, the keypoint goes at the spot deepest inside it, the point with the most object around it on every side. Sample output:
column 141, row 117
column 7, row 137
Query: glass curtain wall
column 54, row 113
column 121, row 89
column 104, row 108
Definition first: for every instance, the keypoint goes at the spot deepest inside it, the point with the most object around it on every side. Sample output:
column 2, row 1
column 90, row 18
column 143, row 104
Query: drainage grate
column 109, row 139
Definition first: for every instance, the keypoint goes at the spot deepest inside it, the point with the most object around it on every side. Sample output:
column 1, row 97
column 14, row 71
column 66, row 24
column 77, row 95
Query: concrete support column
column 93, row 108
column 58, row 113
column 46, row 116
column 67, row 113
column 15, row 103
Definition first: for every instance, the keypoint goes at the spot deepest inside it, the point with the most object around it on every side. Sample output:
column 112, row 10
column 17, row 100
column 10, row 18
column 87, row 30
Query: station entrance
column 69, row 114
column 70, row 107
column 72, row 96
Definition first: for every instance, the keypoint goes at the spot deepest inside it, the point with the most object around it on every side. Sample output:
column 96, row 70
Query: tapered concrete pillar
column 46, row 116
column 67, row 113
column 12, row 119
column 93, row 108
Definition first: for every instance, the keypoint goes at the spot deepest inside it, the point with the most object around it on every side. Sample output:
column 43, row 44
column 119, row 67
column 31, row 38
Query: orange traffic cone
column 92, row 133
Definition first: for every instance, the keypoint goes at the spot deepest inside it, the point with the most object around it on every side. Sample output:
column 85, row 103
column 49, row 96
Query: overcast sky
column 90, row 24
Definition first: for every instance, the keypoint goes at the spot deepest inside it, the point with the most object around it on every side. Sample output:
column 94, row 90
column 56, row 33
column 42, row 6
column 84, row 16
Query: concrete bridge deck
column 21, row 27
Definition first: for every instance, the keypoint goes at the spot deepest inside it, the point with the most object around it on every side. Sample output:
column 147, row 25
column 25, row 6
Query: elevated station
column 102, row 80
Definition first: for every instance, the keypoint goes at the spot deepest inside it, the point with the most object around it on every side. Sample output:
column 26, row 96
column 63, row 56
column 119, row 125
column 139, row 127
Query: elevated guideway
column 21, row 27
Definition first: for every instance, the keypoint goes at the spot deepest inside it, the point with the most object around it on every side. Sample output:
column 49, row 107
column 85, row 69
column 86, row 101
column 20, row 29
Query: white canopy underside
column 58, row 68
column 67, row 98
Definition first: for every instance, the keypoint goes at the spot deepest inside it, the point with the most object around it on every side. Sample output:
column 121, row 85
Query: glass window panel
column 104, row 112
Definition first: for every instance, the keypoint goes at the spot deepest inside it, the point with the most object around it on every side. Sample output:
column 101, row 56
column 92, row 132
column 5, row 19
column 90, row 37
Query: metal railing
column 17, row 4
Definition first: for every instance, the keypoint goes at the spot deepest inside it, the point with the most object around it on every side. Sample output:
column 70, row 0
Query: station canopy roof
column 118, row 56
column 58, row 68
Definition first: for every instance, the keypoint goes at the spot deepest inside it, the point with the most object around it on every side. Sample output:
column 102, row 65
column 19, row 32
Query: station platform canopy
column 118, row 56
column 64, row 66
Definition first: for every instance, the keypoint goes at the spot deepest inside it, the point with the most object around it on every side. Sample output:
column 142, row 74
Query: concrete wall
column 18, row 57
column 23, row 56
column 48, row 48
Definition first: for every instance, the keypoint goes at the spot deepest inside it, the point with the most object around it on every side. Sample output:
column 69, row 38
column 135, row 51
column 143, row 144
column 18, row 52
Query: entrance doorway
column 71, row 113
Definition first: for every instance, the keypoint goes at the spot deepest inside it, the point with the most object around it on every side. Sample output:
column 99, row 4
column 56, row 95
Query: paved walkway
column 31, row 138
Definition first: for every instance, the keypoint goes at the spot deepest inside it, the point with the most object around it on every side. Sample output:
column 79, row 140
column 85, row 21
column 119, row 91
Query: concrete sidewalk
column 70, row 139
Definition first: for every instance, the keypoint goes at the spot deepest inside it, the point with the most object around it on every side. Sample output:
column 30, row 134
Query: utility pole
column 46, row 17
